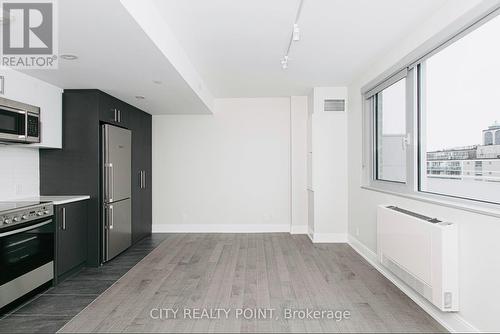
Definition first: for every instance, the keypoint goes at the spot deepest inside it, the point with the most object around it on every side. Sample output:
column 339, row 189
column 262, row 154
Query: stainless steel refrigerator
column 116, row 206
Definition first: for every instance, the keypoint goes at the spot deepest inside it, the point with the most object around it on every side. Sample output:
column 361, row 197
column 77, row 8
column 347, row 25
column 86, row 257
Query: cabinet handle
column 116, row 114
column 119, row 116
column 142, row 179
column 64, row 219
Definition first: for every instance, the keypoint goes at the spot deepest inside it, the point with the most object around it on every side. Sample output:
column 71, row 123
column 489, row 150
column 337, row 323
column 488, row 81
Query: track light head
column 296, row 33
column 284, row 62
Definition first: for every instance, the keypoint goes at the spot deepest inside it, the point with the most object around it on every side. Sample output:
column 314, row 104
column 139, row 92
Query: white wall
column 226, row 172
column 19, row 164
column 19, row 173
column 479, row 234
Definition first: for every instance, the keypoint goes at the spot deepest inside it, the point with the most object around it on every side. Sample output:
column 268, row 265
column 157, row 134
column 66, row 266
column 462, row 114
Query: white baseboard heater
column 422, row 252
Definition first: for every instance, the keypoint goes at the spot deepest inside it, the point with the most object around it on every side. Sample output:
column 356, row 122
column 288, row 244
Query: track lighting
column 295, row 36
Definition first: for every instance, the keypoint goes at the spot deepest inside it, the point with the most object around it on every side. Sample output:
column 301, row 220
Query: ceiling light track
column 294, row 36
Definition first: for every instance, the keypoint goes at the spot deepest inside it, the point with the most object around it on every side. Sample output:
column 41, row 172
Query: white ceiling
column 116, row 56
column 236, row 45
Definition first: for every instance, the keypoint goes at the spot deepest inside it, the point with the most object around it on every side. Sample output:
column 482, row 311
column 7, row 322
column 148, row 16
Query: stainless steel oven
column 19, row 122
column 26, row 249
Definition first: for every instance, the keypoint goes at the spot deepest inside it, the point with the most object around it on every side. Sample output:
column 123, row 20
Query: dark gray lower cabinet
column 71, row 236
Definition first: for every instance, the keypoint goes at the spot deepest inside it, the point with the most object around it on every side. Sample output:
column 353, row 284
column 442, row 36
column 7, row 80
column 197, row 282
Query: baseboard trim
column 452, row 322
column 221, row 228
column 319, row 238
column 298, row 229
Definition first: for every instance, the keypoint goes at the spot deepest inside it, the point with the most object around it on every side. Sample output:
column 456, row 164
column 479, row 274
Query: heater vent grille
column 416, row 284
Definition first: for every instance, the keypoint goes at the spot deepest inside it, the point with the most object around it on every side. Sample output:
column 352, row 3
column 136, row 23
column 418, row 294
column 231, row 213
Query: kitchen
column 50, row 233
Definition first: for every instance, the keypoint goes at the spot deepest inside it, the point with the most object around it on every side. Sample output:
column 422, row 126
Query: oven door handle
column 16, row 110
column 24, row 229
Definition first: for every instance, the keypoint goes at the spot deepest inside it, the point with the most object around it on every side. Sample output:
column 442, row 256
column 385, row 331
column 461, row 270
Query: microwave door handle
column 26, row 125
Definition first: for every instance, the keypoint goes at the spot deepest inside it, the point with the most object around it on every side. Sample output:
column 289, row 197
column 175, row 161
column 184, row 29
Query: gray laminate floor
column 245, row 275
column 49, row 311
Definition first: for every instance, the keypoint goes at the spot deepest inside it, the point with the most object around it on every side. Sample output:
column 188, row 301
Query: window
column 488, row 138
column 459, row 109
column 434, row 125
column 390, row 109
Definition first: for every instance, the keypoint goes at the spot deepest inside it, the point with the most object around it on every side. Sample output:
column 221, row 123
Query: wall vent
column 334, row 105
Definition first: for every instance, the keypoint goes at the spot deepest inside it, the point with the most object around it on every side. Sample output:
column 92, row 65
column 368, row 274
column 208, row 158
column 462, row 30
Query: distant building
column 491, row 136
column 478, row 162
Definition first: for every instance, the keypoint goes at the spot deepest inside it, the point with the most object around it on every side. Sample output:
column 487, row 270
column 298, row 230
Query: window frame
column 409, row 68
column 370, row 100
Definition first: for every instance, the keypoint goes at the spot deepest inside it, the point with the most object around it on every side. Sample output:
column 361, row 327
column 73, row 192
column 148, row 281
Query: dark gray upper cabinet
column 71, row 236
column 76, row 168
column 114, row 111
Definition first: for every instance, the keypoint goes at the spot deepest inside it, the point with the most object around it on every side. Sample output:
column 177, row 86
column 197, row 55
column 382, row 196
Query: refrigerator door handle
column 106, row 226
column 109, row 185
column 111, row 220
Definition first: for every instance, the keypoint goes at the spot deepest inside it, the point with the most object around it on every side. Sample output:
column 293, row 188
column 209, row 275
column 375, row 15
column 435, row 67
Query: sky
column 463, row 89
column 393, row 107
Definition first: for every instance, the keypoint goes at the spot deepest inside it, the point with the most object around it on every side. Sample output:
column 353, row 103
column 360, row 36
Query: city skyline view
column 457, row 109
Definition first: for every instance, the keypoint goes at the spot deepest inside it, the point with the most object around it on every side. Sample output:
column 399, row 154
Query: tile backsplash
column 19, row 172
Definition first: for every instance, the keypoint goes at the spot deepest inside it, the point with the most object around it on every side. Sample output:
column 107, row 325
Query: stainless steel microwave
column 19, row 122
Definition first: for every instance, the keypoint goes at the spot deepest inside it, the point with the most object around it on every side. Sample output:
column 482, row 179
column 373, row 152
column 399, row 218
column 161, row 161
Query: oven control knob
column 17, row 219
column 6, row 221
column 46, row 212
column 24, row 217
column 39, row 213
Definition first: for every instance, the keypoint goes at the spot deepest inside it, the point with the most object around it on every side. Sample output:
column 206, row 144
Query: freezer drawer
column 117, row 228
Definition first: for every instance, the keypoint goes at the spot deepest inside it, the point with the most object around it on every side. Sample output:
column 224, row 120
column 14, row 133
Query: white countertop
column 58, row 200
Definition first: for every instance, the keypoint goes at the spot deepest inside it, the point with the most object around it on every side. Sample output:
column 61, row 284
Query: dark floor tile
column 56, row 305
column 32, row 324
column 77, row 286
column 106, row 273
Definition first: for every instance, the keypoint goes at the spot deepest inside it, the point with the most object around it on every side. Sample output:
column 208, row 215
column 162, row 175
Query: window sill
column 491, row 210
